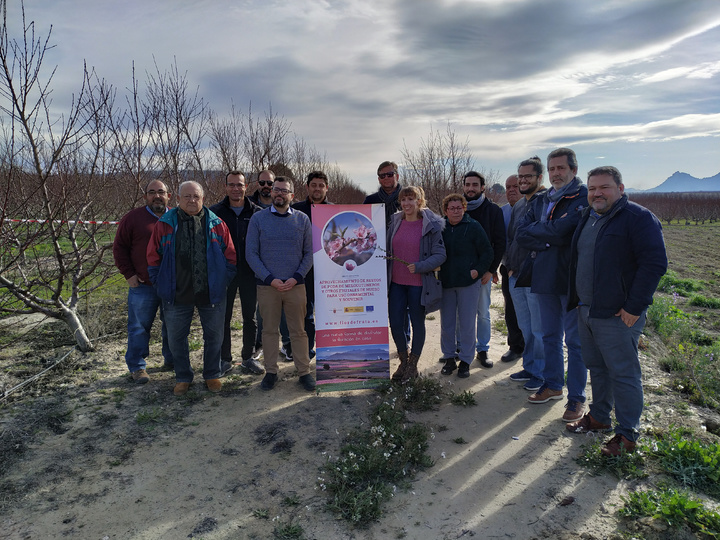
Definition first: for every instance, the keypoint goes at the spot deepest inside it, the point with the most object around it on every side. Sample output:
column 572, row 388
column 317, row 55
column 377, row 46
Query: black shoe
column 510, row 356
column 307, row 382
column 225, row 367
column 253, row 366
column 464, row 370
column 268, row 382
column 449, row 367
column 481, row 357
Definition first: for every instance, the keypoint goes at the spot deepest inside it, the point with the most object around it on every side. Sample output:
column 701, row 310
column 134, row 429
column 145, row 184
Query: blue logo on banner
column 369, row 308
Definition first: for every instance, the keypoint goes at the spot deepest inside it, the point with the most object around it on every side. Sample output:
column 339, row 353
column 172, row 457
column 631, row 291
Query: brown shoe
column 617, row 446
column 400, row 371
column 214, row 385
column 411, row 370
column 587, row 424
column 574, row 411
column 181, row 388
column 140, row 376
column 544, row 395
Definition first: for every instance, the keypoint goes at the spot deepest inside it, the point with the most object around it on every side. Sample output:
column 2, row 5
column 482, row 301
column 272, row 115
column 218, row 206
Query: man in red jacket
column 129, row 251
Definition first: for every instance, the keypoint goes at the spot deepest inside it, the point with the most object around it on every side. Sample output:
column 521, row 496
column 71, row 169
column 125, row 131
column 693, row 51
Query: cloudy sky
column 630, row 83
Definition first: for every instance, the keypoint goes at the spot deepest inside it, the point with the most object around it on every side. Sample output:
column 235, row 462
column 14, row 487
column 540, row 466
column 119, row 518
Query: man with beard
column 279, row 250
column 618, row 258
column 129, row 251
column 387, row 193
column 489, row 215
column 191, row 260
column 263, row 195
column 527, row 309
column 546, row 231
column 515, row 340
column 236, row 210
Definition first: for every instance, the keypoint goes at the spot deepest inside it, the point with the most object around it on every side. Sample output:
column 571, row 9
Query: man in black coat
column 236, row 210
column 490, row 216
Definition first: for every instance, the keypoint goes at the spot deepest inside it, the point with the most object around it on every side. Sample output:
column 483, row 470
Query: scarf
column 553, row 196
column 475, row 203
column 192, row 270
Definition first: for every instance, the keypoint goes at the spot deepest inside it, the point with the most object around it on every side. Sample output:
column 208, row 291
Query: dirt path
column 135, row 462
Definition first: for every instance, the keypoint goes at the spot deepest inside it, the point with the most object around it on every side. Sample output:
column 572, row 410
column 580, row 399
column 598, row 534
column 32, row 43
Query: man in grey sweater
column 278, row 248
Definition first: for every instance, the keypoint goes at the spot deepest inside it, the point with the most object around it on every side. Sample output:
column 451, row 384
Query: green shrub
column 693, row 463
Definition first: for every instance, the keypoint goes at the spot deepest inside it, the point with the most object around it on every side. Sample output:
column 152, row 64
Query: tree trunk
column 78, row 330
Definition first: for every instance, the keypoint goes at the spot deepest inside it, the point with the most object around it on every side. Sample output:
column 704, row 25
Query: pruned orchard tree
column 437, row 165
column 180, row 120
column 52, row 165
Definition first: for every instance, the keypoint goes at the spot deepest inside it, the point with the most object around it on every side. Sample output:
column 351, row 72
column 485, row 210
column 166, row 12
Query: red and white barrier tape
column 71, row 222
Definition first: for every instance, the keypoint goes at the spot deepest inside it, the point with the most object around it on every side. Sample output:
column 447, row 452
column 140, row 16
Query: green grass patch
column 674, row 507
column 672, row 283
column 699, row 300
column 463, row 399
column 288, row 531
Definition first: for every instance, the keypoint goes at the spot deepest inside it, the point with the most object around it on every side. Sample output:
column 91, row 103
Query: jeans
column 483, row 318
column 143, row 303
column 404, row 299
column 527, row 311
column 610, row 351
column 178, row 318
column 556, row 321
column 515, row 339
column 245, row 286
column 457, row 321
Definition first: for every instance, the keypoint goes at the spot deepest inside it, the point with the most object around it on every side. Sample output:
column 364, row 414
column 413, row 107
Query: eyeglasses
column 526, row 176
column 233, row 186
column 152, row 192
column 454, row 208
column 386, row 175
column 281, row 190
column 265, row 182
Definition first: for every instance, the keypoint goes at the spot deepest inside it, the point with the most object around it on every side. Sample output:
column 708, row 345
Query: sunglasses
column 265, row 182
column 386, row 175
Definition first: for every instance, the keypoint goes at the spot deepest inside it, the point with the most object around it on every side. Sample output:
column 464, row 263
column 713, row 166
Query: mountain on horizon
column 681, row 182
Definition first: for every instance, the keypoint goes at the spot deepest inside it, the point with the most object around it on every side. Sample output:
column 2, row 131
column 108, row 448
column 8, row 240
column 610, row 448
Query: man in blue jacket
column 546, row 231
column 191, row 259
column 618, row 258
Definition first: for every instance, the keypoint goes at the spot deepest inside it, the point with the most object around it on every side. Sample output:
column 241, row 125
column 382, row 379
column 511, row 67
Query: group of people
column 579, row 263
column 197, row 257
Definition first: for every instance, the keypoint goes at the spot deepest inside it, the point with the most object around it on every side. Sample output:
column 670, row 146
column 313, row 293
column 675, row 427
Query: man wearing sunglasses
column 263, row 196
column 279, row 251
column 387, row 194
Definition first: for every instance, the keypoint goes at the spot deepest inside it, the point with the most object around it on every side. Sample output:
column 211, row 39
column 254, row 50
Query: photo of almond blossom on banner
column 351, row 325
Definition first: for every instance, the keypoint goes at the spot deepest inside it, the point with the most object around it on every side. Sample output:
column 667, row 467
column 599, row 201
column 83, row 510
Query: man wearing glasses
column 389, row 189
column 527, row 308
column 263, row 196
column 279, row 251
column 129, row 251
column 236, row 210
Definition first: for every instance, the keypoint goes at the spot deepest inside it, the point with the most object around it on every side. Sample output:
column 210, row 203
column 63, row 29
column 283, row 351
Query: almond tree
column 54, row 170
